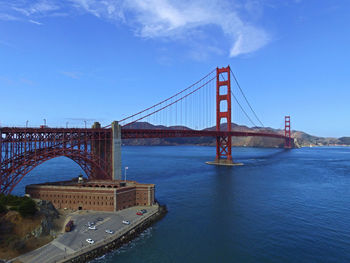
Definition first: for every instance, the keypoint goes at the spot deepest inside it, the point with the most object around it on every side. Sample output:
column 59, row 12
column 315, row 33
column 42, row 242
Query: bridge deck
column 155, row 133
column 140, row 133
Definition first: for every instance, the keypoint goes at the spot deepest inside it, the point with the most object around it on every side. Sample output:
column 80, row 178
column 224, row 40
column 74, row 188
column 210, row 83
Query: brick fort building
column 99, row 195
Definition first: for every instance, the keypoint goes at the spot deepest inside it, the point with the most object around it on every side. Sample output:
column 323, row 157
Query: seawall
column 115, row 242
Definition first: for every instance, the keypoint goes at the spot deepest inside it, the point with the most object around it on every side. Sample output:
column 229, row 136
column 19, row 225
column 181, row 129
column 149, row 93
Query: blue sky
column 75, row 60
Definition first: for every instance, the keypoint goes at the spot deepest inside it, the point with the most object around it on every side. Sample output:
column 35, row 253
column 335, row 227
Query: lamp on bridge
column 126, row 168
column 80, row 179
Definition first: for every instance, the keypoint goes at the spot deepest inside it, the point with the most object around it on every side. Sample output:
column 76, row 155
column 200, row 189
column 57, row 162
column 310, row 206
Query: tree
column 27, row 207
column 2, row 208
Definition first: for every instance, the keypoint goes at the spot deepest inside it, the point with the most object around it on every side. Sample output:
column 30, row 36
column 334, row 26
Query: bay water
column 280, row 206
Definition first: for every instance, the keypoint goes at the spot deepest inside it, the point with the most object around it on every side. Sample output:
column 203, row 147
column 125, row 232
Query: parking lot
column 74, row 241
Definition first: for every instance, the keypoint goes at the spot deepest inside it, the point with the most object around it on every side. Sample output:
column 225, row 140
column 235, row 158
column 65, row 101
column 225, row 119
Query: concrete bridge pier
column 116, row 151
column 108, row 149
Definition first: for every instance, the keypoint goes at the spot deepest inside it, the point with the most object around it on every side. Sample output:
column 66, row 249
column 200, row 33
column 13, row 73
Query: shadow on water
column 266, row 154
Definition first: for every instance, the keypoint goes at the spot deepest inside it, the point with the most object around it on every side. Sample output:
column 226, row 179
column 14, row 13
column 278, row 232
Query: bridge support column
column 287, row 133
column 223, row 111
column 116, row 151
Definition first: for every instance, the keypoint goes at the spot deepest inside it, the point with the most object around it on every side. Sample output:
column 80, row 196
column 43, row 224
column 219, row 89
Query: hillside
column 301, row 139
column 22, row 232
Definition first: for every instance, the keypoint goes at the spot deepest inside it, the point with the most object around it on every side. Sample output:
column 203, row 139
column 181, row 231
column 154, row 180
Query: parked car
column 90, row 241
column 69, row 226
column 139, row 213
column 144, row 211
column 91, row 223
column 92, row 227
column 99, row 219
column 126, row 222
column 109, row 231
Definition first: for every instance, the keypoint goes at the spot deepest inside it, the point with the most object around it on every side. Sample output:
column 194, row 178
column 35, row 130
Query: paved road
column 68, row 243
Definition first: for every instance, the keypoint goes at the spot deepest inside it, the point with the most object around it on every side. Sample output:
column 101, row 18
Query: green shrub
column 13, row 200
column 2, row 198
column 27, row 207
column 2, row 208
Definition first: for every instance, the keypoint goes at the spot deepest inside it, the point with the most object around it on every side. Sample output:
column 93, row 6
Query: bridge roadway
column 170, row 133
column 132, row 133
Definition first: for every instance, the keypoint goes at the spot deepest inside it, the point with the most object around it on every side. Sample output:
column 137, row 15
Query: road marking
column 62, row 247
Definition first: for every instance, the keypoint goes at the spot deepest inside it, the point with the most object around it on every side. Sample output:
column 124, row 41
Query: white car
column 126, row 222
column 109, row 231
column 92, row 227
column 90, row 241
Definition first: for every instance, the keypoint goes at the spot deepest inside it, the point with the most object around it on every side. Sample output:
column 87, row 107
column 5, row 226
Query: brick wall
column 94, row 196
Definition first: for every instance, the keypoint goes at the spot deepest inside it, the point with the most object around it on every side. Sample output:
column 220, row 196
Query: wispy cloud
column 7, row 17
column 35, row 7
column 16, row 81
column 4, row 43
column 70, row 74
column 182, row 20
column 35, row 22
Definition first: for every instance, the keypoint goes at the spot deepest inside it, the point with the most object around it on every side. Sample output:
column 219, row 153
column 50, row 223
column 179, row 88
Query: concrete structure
column 98, row 195
column 116, row 151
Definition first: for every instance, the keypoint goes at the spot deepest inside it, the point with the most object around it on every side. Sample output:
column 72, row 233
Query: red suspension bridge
column 97, row 150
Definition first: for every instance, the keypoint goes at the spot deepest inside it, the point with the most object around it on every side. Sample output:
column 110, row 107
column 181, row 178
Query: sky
column 87, row 60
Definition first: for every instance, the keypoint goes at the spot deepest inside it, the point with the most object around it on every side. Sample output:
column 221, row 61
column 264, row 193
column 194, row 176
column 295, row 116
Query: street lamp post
column 126, row 168
column 27, row 123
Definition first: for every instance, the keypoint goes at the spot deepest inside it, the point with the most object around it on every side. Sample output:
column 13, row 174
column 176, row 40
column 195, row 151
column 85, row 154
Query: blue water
column 281, row 206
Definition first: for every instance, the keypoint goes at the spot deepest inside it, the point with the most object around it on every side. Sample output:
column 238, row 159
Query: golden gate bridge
column 97, row 150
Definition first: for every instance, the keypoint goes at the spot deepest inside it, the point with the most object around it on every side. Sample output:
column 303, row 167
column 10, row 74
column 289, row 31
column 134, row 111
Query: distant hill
column 301, row 139
column 345, row 140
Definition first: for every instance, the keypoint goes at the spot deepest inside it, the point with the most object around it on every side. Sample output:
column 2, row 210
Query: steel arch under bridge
column 23, row 149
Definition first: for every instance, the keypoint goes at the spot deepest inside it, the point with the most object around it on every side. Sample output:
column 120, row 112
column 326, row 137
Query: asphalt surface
column 69, row 243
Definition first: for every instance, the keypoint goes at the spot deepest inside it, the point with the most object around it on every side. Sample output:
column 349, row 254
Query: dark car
column 144, row 211
column 99, row 219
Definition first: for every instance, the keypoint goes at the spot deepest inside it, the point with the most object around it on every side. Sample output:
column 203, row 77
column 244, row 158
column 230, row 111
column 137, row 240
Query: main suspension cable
column 239, row 104
column 155, row 105
column 243, row 109
column 168, row 105
column 239, row 86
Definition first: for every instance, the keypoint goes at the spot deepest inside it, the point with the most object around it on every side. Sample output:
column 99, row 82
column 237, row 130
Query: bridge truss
column 23, row 149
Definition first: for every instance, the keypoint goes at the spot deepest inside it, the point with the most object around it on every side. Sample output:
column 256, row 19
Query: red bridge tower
column 223, row 111
column 287, row 133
